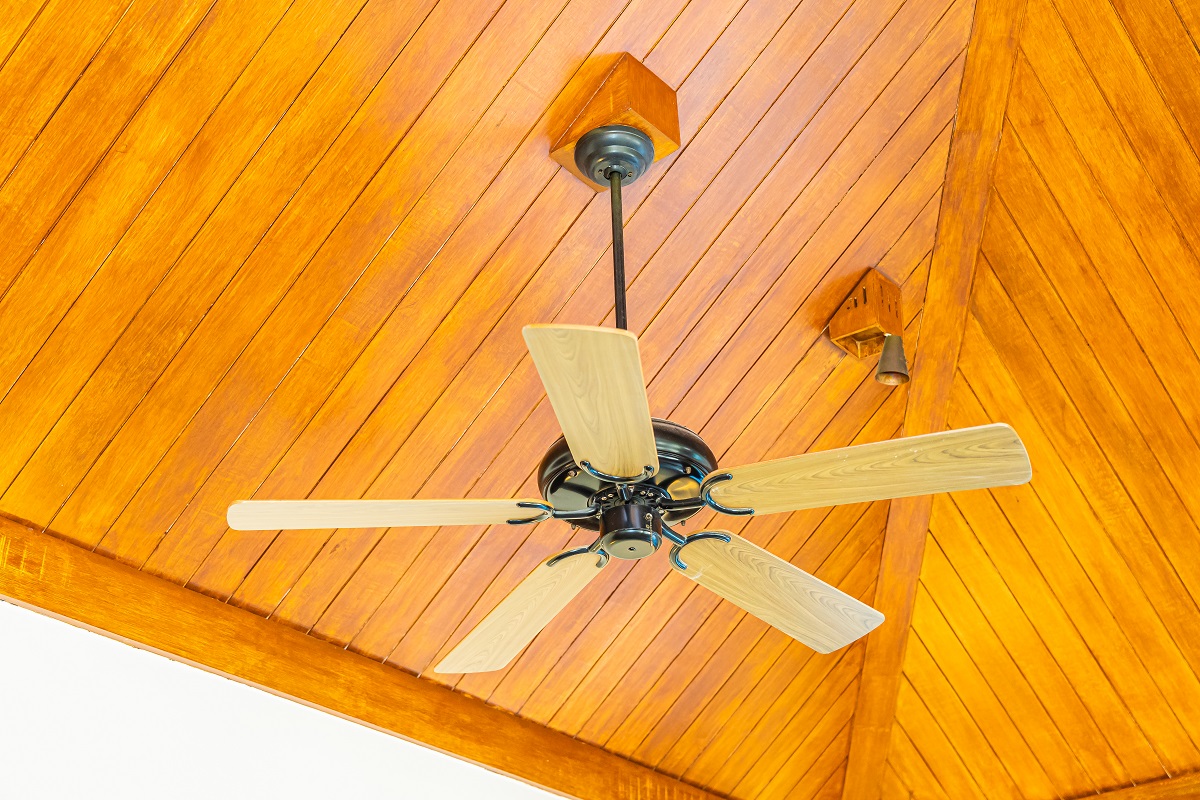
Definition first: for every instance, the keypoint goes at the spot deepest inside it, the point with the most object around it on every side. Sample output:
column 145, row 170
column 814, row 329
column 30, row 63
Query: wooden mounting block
column 868, row 314
column 617, row 90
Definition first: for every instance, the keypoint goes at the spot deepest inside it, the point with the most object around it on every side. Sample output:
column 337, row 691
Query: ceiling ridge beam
column 48, row 574
column 983, row 99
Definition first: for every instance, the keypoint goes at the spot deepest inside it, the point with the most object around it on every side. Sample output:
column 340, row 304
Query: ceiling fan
column 630, row 477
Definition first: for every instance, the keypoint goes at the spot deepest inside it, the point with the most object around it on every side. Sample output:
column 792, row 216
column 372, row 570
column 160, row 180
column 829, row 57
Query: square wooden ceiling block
column 627, row 94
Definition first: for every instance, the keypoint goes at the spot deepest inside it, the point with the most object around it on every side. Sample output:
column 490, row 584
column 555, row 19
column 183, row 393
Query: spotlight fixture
column 892, row 369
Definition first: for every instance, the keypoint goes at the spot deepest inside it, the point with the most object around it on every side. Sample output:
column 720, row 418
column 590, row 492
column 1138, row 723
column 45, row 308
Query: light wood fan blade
column 968, row 458
column 274, row 515
column 521, row 616
column 593, row 377
column 781, row 595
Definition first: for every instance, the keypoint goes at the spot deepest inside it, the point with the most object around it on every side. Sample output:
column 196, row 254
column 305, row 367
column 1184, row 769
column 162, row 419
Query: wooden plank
column 966, row 736
column 16, row 24
column 355, row 272
column 1029, row 238
column 911, row 768
column 1091, row 578
column 934, row 744
column 123, row 258
column 302, row 226
column 1101, row 40
column 1174, row 788
column 1029, row 744
column 45, row 47
column 1052, row 67
column 812, row 766
column 991, row 55
column 213, row 253
column 47, row 574
column 98, row 216
column 118, row 78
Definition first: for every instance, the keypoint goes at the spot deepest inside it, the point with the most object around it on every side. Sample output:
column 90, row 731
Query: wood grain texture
column 1176, row 788
column 755, row 580
column 593, row 379
column 991, row 55
column 49, row 575
column 302, row 267
column 950, row 461
column 269, row 515
column 512, row 625
column 1071, row 601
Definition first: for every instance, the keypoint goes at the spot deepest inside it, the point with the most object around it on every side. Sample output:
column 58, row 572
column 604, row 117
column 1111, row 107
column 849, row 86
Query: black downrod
column 614, row 182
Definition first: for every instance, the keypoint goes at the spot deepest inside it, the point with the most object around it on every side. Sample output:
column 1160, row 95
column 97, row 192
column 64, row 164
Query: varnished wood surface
column 1177, row 788
column 983, row 98
column 47, row 574
column 292, row 258
column 593, row 380
column 949, row 461
column 270, row 515
column 755, row 580
column 510, row 626
column 1054, row 647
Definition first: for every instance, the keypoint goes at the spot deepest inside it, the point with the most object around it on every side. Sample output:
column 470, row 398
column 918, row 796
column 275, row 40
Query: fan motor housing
column 683, row 462
column 630, row 531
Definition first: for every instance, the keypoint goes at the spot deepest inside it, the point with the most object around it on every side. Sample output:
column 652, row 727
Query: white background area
column 83, row 716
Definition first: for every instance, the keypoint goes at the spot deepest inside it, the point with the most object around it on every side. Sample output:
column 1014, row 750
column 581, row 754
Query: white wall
column 82, row 716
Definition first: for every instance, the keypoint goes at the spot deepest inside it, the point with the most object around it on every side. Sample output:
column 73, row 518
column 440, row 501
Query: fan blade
column 514, row 623
column 274, row 515
column 805, row 608
column 593, row 377
column 968, row 458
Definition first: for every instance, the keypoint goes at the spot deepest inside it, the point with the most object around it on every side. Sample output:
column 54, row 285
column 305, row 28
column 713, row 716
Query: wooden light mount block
column 626, row 93
column 868, row 314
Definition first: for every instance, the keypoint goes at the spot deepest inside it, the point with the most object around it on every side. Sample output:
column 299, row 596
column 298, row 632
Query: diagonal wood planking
column 1066, row 611
column 309, row 279
column 991, row 56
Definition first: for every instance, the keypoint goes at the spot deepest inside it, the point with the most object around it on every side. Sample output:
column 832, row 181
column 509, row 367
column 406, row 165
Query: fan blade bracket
column 579, row 551
column 706, row 495
column 524, row 613
column 648, row 472
column 677, row 562
column 547, row 512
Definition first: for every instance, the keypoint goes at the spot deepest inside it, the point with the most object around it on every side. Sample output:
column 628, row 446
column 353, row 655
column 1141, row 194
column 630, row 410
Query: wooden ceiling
column 1056, row 636
column 285, row 249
